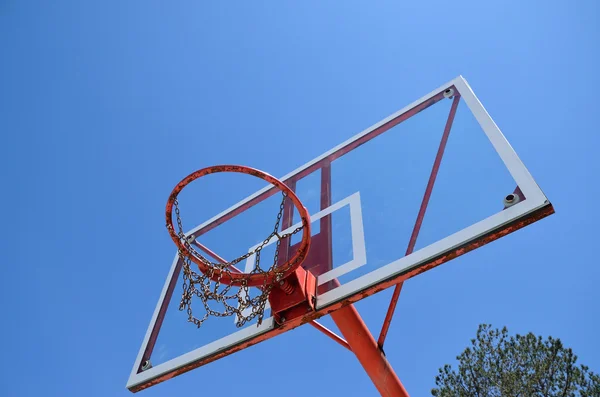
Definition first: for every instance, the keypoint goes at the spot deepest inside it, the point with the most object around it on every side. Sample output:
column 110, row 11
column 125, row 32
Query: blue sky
column 104, row 106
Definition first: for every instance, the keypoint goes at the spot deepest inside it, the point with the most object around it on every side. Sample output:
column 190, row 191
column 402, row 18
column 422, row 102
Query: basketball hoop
column 216, row 274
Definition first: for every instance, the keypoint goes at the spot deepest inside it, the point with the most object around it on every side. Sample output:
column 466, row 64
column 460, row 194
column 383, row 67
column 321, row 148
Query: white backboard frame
column 535, row 200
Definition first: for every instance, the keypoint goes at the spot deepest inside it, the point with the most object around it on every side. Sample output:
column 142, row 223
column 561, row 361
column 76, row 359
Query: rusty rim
column 252, row 280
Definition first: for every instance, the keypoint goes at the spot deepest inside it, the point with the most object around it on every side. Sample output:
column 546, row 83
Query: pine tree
column 497, row 364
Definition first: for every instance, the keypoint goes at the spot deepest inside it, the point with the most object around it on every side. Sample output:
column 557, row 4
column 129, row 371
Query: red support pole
column 365, row 349
column 355, row 331
column 330, row 334
column 424, row 203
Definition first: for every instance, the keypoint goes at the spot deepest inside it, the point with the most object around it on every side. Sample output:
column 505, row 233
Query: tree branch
column 568, row 382
column 552, row 367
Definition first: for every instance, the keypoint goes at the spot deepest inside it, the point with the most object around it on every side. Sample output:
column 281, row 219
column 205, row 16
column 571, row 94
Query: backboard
column 425, row 185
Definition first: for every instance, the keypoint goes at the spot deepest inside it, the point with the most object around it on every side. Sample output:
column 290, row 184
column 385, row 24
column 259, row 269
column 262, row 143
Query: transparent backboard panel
column 380, row 204
column 377, row 191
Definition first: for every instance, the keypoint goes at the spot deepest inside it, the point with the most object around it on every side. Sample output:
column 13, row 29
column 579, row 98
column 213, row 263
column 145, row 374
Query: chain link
column 202, row 286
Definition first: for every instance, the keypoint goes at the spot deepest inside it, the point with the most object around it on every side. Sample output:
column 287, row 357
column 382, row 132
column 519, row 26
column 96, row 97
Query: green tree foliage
column 516, row 366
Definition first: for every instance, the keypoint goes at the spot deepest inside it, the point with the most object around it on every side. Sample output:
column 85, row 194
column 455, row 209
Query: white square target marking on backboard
column 359, row 252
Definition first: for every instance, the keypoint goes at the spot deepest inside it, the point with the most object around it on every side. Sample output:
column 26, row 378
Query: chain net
column 234, row 300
